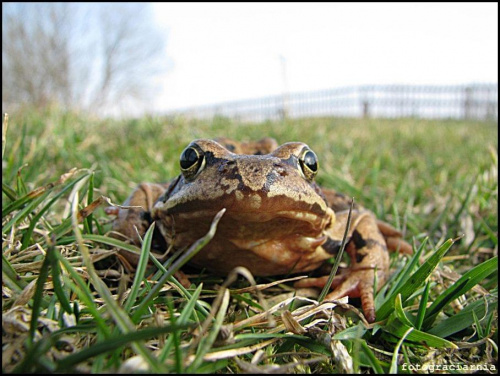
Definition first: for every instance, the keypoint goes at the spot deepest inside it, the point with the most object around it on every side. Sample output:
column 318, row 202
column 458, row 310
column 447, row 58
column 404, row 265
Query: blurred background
column 252, row 61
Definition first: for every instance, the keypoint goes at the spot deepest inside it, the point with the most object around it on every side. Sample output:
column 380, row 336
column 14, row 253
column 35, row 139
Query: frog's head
column 271, row 200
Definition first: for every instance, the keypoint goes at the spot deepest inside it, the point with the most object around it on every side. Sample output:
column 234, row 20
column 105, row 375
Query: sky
column 221, row 52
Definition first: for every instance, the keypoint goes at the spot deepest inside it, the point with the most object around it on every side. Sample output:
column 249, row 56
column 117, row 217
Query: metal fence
column 478, row 102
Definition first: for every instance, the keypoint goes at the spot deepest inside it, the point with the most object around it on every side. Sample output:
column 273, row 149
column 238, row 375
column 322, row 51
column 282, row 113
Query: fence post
column 467, row 102
column 365, row 104
column 491, row 106
column 366, row 109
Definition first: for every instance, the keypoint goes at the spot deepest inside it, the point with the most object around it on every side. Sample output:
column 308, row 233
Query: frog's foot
column 354, row 283
column 394, row 238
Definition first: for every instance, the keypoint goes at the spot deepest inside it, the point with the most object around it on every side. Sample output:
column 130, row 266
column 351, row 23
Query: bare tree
column 90, row 56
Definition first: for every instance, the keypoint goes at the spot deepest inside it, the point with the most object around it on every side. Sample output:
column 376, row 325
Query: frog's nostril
column 225, row 167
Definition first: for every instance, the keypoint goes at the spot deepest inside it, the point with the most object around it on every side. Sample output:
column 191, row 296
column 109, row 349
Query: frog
column 277, row 219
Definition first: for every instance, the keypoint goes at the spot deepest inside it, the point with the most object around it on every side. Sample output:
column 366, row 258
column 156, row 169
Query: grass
column 69, row 305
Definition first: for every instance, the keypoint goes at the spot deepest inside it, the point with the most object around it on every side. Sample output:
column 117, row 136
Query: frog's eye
column 192, row 161
column 308, row 163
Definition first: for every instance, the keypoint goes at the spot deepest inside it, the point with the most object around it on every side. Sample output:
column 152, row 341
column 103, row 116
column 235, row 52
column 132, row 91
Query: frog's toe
column 399, row 245
column 111, row 210
column 318, row 282
column 133, row 219
column 394, row 238
column 357, row 285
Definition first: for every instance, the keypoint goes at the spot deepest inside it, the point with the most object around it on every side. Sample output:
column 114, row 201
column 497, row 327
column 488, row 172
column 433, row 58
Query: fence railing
column 477, row 101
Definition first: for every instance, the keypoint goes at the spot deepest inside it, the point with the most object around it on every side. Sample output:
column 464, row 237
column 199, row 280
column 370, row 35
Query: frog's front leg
column 369, row 259
column 393, row 238
column 132, row 223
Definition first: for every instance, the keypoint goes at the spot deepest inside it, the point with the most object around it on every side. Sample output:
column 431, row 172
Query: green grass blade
column 353, row 332
column 394, row 360
column 374, row 362
column 415, row 281
column 399, row 311
column 338, row 258
column 404, row 275
column 464, row 318
column 90, row 198
column 56, row 280
column 105, row 240
column 442, row 302
column 9, row 192
column 460, row 287
column 399, row 329
column 479, row 328
column 141, row 268
column 175, row 340
column 10, row 276
column 64, row 227
column 21, row 187
column 422, row 307
column 20, row 202
column 37, row 298
column 489, row 323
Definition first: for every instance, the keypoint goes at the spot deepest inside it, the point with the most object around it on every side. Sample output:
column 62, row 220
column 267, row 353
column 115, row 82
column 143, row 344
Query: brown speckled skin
column 277, row 220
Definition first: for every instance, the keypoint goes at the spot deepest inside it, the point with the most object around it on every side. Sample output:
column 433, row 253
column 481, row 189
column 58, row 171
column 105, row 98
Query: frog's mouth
column 291, row 221
column 295, row 229
column 297, row 215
